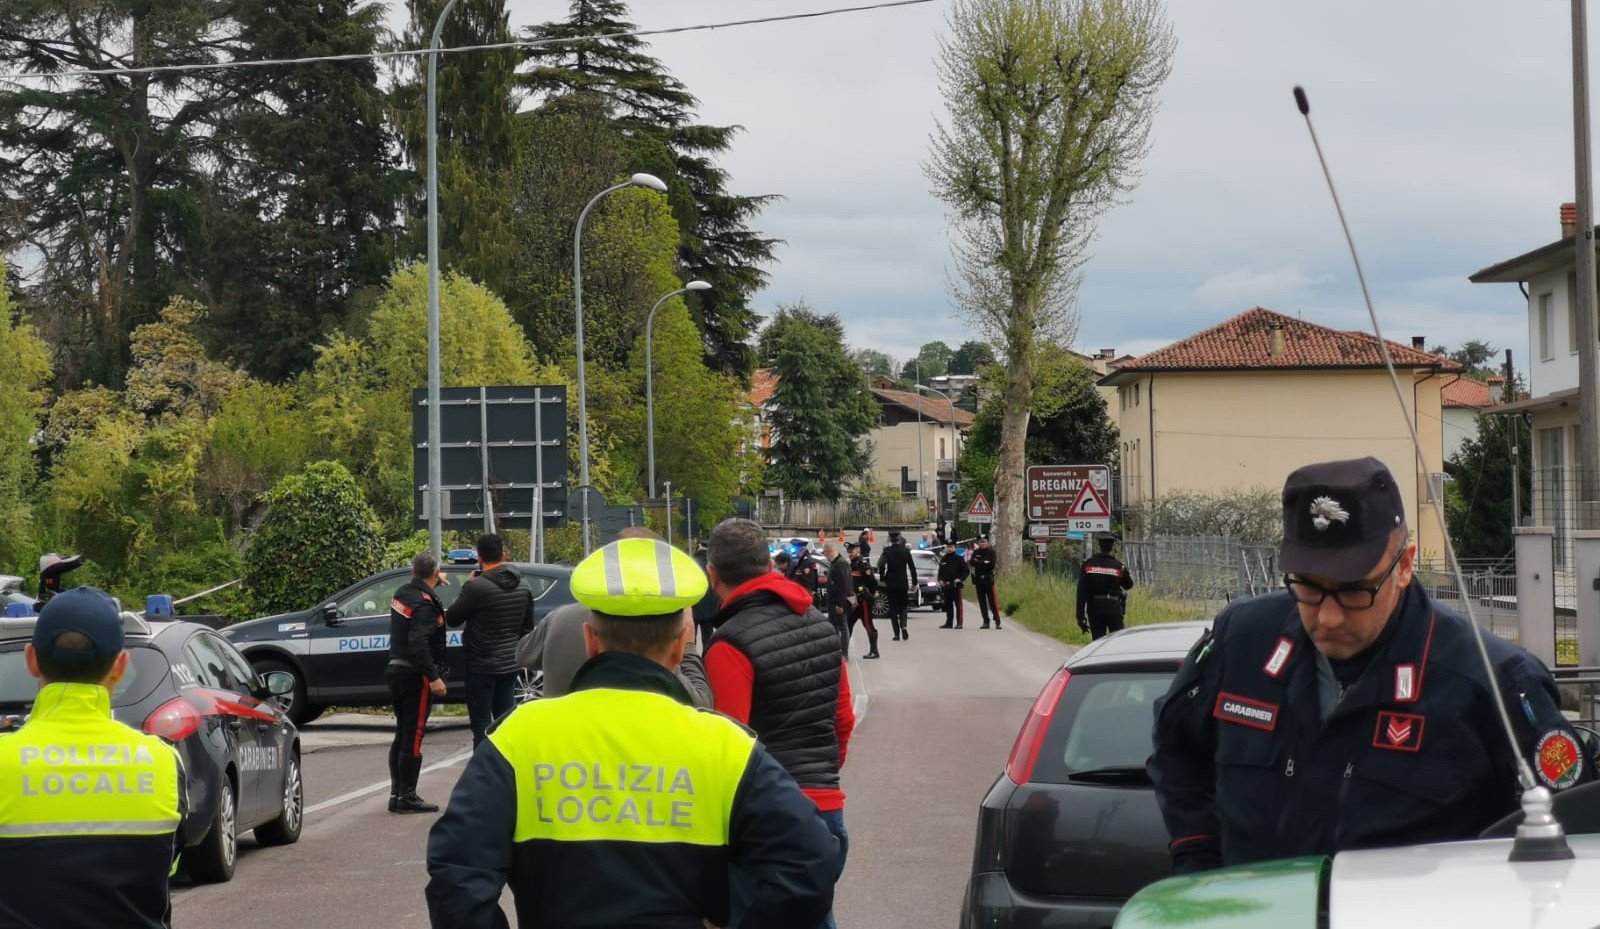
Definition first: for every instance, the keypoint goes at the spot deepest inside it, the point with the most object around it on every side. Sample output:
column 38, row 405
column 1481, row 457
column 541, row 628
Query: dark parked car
column 336, row 651
column 928, row 592
column 1071, row 829
column 185, row 683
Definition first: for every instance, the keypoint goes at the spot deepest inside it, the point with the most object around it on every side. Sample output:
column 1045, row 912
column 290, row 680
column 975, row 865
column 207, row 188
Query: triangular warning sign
column 979, row 507
column 1088, row 504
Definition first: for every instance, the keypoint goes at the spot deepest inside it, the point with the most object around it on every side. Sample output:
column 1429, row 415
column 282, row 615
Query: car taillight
column 175, row 720
column 1019, row 767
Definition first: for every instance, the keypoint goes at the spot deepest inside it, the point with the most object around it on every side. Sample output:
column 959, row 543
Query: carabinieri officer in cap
column 89, row 807
column 1348, row 710
column 620, row 804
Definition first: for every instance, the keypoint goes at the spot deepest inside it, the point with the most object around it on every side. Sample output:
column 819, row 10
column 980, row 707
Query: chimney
column 1279, row 346
column 1569, row 220
column 1108, row 353
column 1419, row 342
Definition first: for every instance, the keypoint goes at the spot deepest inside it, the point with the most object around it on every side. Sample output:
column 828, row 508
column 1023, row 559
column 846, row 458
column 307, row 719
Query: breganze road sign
column 1056, row 492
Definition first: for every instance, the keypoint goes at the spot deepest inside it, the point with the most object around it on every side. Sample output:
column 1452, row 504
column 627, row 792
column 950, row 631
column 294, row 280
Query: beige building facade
column 1245, row 403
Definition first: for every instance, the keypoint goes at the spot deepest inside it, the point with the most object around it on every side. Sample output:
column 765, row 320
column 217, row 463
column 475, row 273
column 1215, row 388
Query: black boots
column 403, row 787
column 872, row 644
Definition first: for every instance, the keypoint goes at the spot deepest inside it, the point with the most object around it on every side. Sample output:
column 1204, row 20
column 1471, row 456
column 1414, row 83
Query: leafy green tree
column 931, row 360
column 821, row 406
column 477, row 105
column 22, row 408
column 303, row 217
column 873, row 363
column 1049, row 105
column 172, row 375
column 971, row 358
column 1478, row 501
column 259, row 435
column 319, row 535
column 655, row 113
column 1476, row 355
column 104, row 172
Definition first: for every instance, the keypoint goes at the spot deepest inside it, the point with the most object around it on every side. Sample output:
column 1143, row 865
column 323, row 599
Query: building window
column 941, row 446
column 1546, row 310
column 1136, row 395
column 1572, row 313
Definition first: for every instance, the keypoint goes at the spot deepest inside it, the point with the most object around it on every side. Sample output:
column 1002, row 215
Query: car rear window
column 146, row 667
column 1102, row 724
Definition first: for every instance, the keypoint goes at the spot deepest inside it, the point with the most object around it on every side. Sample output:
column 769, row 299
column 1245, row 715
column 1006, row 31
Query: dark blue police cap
column 1337, row 518
column 84, row 610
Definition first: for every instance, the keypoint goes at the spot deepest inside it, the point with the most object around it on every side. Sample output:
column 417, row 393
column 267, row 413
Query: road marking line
column 374, row 788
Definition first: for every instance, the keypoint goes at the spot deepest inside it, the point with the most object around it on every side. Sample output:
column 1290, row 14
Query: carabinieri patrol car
column 185, row 683
column 336, row 651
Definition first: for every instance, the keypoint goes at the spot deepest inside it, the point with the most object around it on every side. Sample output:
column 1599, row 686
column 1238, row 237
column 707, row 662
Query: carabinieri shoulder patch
column 1246, row 712
column 1560, row 760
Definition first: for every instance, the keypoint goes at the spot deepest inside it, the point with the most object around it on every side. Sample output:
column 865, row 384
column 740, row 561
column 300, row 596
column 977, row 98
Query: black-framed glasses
column 1355, row 596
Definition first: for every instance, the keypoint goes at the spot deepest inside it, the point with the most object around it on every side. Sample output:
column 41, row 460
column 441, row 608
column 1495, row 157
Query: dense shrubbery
column 319, row 536
column 1253, row 516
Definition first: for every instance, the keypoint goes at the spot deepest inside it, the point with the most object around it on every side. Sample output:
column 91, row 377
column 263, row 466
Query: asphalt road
column 938, row 715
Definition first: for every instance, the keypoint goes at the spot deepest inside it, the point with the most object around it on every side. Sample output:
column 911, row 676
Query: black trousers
column 1104, row 620
column 897, row 608
column 987, row 605
column 955, row 606
column 412, row 704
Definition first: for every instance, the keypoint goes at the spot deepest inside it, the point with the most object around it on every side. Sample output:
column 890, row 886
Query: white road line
column 374, row 788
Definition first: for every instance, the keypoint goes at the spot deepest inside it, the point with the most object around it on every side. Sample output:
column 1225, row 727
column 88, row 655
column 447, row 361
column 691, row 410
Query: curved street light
column 649, row 385
column 638, row 180
column 955, row 442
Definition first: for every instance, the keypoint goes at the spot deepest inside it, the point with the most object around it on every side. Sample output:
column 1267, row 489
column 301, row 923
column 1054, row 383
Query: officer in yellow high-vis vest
column 88, row 806
column 620, row 804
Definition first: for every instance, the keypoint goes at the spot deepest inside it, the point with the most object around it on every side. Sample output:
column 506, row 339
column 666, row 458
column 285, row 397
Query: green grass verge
column 1046, row 603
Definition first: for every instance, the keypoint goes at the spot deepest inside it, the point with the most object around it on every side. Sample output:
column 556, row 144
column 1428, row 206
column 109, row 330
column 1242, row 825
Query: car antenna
column 1540, row 836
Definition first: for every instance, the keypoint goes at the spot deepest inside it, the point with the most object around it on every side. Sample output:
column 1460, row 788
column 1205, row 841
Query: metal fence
column 773, row 511
column 1210, row 569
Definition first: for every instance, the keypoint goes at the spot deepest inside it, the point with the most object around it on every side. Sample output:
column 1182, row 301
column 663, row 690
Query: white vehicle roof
column 1467, row 885
column 21, row 627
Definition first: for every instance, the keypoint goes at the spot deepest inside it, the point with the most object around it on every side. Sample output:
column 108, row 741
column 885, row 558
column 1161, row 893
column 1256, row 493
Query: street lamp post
column 955, row 441
column 435, row 517
column 649, row 384
column 638, row 180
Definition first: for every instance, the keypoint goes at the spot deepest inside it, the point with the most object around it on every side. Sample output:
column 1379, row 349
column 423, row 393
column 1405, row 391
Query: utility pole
column 1515, row 433
column 1588, row 452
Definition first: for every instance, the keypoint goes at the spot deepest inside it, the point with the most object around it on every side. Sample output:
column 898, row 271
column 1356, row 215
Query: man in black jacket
column 840, row 592
column 415, row 676
column 983, row 570
column 1103, row 583
column 895, row 568
column 952, row 577
column 803, row 571
column 497, row 609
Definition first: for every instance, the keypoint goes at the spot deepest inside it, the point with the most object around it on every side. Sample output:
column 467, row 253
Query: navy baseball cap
column 84, row 610
column 1337, row 518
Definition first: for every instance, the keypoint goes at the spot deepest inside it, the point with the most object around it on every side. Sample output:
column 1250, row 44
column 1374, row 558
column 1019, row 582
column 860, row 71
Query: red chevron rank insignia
column 1400, row 732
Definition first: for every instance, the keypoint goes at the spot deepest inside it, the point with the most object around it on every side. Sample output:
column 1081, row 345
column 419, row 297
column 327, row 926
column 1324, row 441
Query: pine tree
column 821, row 407
column 304, row 213
column 655, row 112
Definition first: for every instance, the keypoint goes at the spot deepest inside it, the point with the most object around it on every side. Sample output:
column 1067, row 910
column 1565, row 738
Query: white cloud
column 1242, row 288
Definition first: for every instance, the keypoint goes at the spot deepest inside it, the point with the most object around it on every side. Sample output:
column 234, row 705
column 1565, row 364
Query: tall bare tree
column 1049, row 105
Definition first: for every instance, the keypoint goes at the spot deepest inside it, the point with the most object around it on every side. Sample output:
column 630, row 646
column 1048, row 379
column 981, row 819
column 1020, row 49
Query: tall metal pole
column 649, row 386
column 922, row 469
column 583, row 394
column 669, row 512
column 435, row 520
column 955, row 433
column 1588, row 457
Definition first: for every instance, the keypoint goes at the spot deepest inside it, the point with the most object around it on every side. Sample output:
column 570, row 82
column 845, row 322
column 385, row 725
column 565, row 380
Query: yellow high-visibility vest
column 623, row 765
column 72, row 770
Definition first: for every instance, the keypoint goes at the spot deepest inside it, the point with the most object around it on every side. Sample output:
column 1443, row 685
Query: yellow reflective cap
column 638, row 577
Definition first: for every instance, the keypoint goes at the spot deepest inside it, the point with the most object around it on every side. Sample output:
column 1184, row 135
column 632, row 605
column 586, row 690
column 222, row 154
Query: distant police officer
column 1103, row 583
column 1349, row 710
column 619, row 804
column 983, row 566
column 866, row 587
column 864, row 540
column 803, row 571
column 953, row 573
column 52, row 568
column 88, row 806
column 898, row 574
column 415, row 676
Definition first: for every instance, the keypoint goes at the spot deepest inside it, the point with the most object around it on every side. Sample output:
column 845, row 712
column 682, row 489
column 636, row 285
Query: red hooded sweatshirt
column 733, row 678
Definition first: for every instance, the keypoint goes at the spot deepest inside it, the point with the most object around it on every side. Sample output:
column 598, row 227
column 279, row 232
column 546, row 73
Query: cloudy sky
column 1447, row 126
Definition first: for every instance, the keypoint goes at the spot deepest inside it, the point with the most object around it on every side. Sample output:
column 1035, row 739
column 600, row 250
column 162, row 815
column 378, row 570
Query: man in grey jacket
column 556, row 647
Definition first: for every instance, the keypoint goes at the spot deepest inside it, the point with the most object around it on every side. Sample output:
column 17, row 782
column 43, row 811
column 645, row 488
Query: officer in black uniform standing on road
column 803, row 571
column 415, row 676
column 866, row 586
column 895, row 567
column 1348, row 710
column 984, row 562
column 953, row 573
column 1103, row 583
